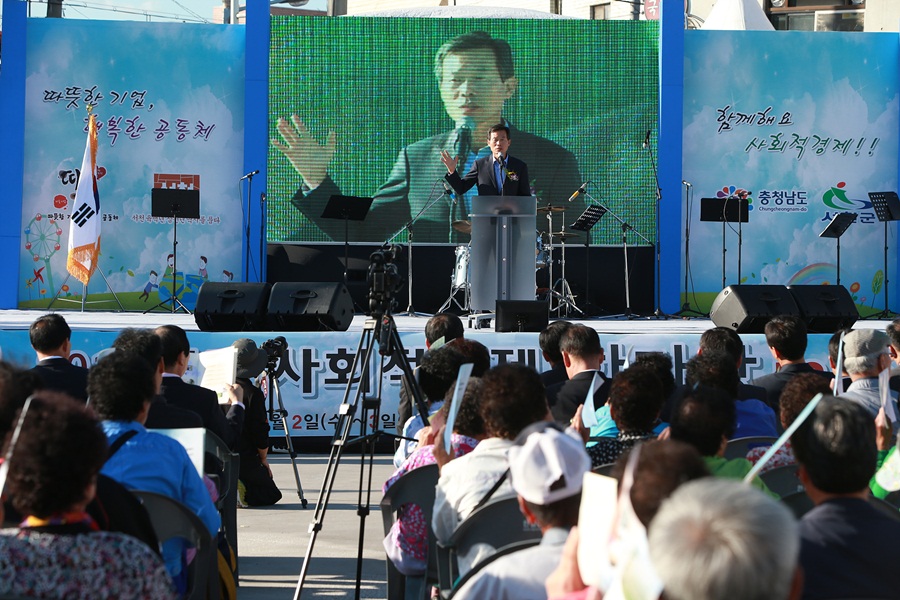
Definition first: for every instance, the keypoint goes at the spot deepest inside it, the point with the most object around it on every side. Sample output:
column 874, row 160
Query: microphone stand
column 625, row 229
column 657, row 312
column 249, row 177
column 410, row 311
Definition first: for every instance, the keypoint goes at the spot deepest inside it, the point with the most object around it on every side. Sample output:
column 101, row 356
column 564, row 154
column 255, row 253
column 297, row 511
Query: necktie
column 463, row 143
column 498, row 176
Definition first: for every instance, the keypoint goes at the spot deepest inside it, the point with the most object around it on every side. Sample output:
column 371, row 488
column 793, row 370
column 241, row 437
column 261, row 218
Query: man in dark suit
column 496, row 175
column 476, row 76
column 161, row 415
column 204, row 402
column 548, row 340
column 582, row 355
column 51, row 339
column 786, row 338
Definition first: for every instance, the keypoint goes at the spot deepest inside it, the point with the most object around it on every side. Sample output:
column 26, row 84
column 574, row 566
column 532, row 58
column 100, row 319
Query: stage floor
column 115, row 321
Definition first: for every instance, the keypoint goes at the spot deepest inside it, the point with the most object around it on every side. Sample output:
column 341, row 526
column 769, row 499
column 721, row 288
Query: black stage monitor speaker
column 825, row 308
column 232, row 306
column 747, row 308
column 310, row 307
column 522, row 315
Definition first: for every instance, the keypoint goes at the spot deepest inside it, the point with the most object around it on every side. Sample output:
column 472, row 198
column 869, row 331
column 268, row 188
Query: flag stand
column 84, row 287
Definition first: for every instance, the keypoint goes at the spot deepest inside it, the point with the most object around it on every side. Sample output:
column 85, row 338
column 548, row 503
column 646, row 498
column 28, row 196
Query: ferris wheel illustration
column 43, row 238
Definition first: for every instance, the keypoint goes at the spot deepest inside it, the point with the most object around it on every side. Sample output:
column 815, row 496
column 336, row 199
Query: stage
column 315, row 376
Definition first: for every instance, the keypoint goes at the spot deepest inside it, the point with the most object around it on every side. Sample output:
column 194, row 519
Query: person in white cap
column 546, row 467
column 865, row 356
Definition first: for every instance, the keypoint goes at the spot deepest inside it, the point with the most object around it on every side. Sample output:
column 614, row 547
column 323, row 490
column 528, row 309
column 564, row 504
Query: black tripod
column 275, row 351
column 380, row 329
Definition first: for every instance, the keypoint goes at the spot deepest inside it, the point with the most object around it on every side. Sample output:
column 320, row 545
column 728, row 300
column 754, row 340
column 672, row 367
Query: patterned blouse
column 608, row 450
column 96, row 565
column 784, row 456
column 409, row 534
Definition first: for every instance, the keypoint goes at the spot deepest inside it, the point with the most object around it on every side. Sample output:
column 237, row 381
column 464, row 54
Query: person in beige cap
column 546, row 467
column 259, row 488
column 865, row 356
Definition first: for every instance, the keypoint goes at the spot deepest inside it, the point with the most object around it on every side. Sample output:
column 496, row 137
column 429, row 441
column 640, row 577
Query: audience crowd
column 701, row 511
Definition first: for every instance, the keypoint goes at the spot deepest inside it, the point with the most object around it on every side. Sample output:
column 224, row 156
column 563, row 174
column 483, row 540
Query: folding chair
column 172, row 519
column 782, row 480
column 497, row 524
column 739, row 447
column 508, row 549
column 415, row 487
column 228, row 490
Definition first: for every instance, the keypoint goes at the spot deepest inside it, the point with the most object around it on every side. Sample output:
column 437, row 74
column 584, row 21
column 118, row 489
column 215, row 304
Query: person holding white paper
column 865, row 356
column 546, row 467
column 582, row 356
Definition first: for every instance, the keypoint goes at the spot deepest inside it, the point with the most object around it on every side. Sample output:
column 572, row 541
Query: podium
column 502, row 260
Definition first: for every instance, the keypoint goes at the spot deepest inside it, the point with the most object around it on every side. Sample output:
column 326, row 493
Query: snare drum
column 461, row 267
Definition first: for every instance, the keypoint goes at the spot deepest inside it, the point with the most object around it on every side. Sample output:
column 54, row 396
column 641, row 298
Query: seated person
column 794, row 396
column 866, row 355
column 582, row 356
column 259, row 488
column 512, row 398
column 440, row 329
column 121, row 386
column 437, row 373
column 546, row 467
column 787, row 340
column 662, row 466
column 51, row 339
column 704, row 418
column 635, row 399
column 407, row 542
column 715, row 369
column 58, row 550
column 658, row 362
column 845, row 542
column 548, row 340
column 715, row 539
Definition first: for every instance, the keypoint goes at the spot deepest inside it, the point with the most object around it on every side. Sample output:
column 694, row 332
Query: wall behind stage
column 808, row 124
column 588, row 86
column 314, row 376
column 169, row 99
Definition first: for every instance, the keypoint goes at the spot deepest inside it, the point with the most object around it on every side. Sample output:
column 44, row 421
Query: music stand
column 887, row 208
column 585, row 223
column 175, row 204
column 835, row 229
column 347, row 208
column 732, row 209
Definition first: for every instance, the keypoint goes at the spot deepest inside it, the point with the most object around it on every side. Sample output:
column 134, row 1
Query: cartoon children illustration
column 227, row 276
column 203, row 272
column 151, row 283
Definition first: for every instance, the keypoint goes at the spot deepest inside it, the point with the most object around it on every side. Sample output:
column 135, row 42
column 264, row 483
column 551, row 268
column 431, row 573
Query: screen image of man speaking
column 476, row 77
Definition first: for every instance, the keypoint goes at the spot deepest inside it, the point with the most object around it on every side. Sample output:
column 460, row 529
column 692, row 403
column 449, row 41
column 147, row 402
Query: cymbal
column 564, row 235
column 462, row 226
column 551, row 208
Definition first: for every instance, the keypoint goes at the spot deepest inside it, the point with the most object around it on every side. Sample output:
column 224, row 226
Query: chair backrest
column 782, row 480
column 739, row 447
column 497, row 524
column 228, row 490
column 505, row 550
column 799, row 503
column 171, row 519
column 415, row 487
column 604, row 469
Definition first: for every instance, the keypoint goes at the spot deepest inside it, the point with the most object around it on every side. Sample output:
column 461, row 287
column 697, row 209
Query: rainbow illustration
column 816, row 273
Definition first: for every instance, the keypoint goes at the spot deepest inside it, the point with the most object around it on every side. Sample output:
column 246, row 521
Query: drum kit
column 559, row 291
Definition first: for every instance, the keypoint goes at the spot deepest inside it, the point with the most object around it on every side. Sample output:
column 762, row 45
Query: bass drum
column 541, row 253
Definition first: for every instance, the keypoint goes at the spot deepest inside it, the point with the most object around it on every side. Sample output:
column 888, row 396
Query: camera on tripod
column 384, row 279
column 275, row 349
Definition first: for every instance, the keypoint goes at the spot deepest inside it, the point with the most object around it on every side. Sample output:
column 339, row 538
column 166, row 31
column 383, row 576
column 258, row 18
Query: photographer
column 255, row 475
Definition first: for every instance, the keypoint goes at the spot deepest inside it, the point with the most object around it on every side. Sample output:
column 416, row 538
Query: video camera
column 384, row 279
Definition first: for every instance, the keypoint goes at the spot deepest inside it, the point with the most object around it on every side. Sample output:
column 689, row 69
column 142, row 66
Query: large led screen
column 363, row 107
